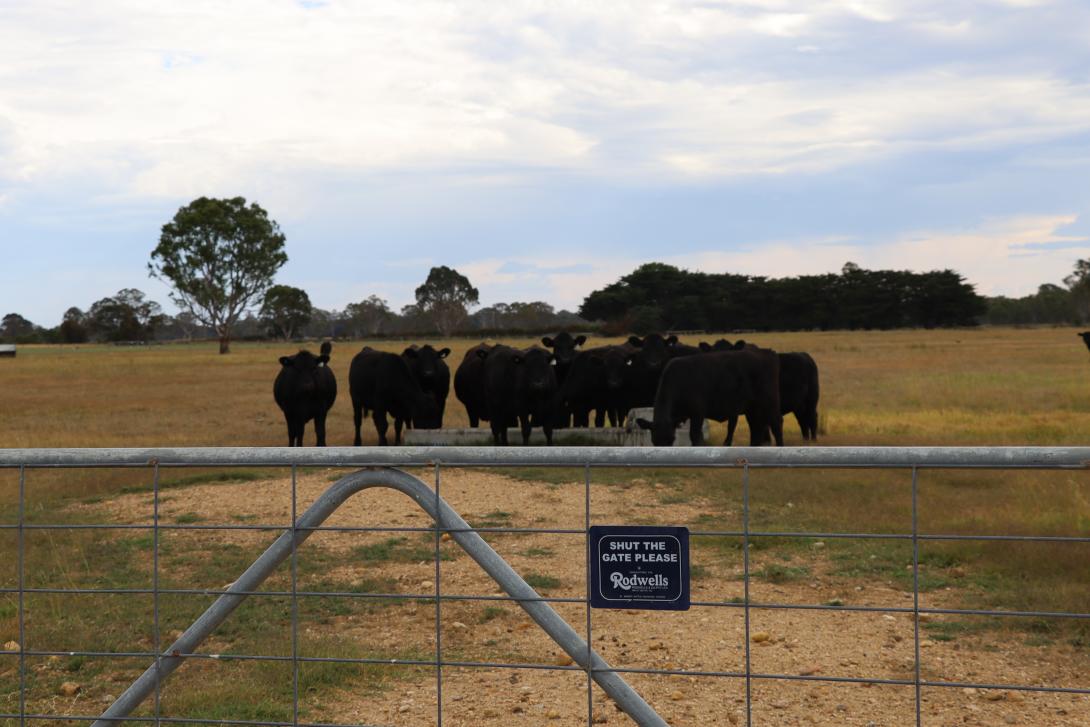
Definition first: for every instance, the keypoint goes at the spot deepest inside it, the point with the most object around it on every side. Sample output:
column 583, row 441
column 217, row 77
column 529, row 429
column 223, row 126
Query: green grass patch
column 489, row 613
column 539, row 581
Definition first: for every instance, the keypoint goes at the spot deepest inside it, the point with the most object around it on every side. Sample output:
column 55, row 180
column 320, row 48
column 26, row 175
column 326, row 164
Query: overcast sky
column 544, row 149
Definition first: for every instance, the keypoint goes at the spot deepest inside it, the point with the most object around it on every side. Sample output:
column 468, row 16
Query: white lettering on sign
column 627, row 584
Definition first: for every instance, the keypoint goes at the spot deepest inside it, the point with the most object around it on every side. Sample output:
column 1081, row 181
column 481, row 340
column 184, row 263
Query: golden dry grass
column 986, row 386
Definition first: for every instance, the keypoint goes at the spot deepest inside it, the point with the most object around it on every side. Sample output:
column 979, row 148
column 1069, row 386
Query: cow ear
column 671, row 340
column 705, row 346
column 323, row 359
column 547, row 342
column 410, row 352
column 635, row 341
column 444, row 352
column 644, row 424
column 285, row 361
column 580, row 340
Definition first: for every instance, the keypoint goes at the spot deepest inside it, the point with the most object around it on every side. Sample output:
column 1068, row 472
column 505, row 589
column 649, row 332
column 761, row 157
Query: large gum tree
column 220, row 255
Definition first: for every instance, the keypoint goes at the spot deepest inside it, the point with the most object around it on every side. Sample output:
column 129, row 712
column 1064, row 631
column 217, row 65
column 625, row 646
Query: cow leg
column 357, row 419
column 547, row 428
column 291, row 430
column 732, row 424
column 526, row 426
column 803, row 425
column 600, row 417
column 381, row 425
column 474, row 420
column 696, row 431
column 777, row 430
column 319, row 429
column 397, row 430
column 812, row 423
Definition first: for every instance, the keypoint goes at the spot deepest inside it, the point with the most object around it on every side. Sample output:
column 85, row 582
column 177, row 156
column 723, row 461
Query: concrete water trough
column 629, row 435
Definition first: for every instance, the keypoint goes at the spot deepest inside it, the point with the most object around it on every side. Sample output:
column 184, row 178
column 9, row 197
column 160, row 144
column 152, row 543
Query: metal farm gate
column 377, row 469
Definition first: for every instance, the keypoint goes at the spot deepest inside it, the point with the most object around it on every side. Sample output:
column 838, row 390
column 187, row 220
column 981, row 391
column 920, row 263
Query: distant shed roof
column 7, row 349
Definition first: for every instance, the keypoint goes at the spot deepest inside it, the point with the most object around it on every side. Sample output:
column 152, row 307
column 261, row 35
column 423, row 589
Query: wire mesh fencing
column 613, row 683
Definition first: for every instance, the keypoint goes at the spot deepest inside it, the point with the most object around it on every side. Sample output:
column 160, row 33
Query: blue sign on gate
column 634, row 566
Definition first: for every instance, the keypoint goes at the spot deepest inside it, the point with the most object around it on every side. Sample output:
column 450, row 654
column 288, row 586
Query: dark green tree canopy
column 286, row 310
column 220, row 255
column 662, row 297
column 445, row 297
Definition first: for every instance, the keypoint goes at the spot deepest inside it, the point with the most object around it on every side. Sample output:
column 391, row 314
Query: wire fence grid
column 377, row 471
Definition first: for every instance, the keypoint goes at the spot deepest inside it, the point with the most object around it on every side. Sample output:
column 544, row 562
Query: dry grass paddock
column 988, row 387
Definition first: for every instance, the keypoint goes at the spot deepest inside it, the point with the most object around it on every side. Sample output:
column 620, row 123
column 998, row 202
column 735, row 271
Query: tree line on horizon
column 221, row 256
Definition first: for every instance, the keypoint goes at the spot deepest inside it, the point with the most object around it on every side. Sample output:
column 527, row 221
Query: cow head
column 563, row 346
column 304, row 367
column 536, row 370
column 654, row 351
column 425, row 362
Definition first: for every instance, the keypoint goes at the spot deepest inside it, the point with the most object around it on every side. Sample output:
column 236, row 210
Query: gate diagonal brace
column 447, row 519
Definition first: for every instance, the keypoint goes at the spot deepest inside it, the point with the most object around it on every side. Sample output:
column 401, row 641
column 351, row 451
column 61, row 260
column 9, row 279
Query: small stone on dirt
column 552, row 714
column 760, row 637
column 11, row 646
column 459, row 625
column 678, row 695
column 69, row 689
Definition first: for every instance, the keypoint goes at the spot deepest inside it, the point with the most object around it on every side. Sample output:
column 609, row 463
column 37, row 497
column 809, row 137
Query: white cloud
column 176, row 100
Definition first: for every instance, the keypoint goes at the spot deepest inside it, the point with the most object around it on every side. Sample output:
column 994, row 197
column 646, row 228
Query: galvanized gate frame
column 447, row 520
column 745, row 459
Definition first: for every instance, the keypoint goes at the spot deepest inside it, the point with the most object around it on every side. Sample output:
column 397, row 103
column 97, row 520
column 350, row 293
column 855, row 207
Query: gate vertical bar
column 590, row 640
column 157, row 638
column 438, row 611
column 21, row 557
column 294, row 601
column 916, row 586
column 745, row 585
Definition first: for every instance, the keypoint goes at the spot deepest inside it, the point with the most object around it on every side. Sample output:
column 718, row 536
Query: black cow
column 564, row 347
column 519, row 385
column 1085, row 335
column 649, row 357
column 717, row 386
column 799, row 387
column 305, row 389
column 433, row 375
column 597, row 380
column 469, row 383
column 382, row 383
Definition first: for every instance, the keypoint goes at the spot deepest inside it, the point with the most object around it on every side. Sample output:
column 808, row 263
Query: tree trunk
column 225, row 343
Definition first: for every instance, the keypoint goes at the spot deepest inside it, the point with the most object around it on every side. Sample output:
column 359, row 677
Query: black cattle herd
column 558, row 385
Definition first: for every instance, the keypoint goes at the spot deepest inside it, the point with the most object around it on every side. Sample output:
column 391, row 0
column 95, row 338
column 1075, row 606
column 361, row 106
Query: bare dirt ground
column 818, row 644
